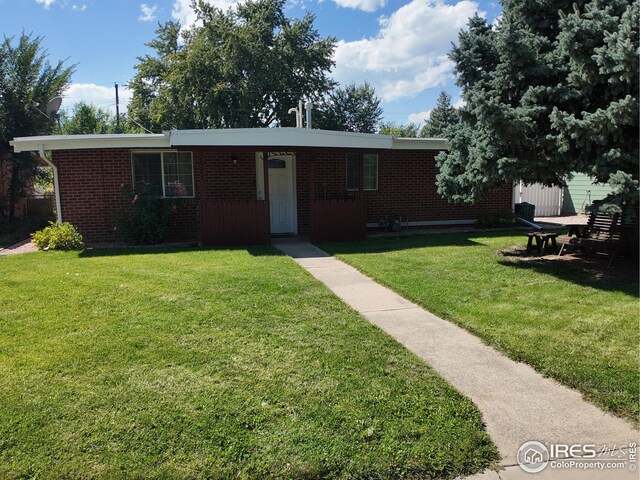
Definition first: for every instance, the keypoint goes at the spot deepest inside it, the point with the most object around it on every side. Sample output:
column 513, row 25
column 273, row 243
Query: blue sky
column 399, row 46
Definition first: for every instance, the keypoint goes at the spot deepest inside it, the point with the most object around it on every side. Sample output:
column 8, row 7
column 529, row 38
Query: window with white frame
column 370, row 171
column 170, row 174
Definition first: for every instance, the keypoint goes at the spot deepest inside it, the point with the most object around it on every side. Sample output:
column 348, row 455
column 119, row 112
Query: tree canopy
column 354, row 108
column 409, row 130
column 245, row 67
column 551, row 90
column 87, row 119
column 27, row 82
column 443, row 116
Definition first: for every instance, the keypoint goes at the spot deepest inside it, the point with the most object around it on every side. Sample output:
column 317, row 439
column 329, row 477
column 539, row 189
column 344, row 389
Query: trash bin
column 525, row 210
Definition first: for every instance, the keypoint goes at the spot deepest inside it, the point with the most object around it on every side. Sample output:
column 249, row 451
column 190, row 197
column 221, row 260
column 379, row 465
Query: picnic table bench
column 602, row 234
column 542, row 241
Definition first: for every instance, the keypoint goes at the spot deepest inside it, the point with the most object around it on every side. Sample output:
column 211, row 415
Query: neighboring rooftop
column 249, row 137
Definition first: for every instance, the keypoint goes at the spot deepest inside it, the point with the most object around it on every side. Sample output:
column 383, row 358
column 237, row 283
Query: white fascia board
column 80, row 142
column 232, row 137
column 279, row 137
column 420, row 144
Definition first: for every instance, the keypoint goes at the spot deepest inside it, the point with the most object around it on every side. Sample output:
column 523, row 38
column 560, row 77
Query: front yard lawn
column 211, row 364
column 572, row 323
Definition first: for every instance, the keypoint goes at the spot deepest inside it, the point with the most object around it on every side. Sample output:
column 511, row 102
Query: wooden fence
column 234, row 223
column 339, row 220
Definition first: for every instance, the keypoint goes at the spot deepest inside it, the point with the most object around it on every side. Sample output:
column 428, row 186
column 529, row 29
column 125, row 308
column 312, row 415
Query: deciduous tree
column 241, row 68
column 27, row 82
column 354, row 108
column 409, row 130
column 88, row 119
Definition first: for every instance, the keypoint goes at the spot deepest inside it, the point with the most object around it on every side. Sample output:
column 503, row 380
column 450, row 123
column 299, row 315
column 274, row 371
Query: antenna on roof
column 51, row 112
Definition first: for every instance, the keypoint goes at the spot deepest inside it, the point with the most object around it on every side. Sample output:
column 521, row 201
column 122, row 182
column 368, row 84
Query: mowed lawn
column 577, row 324
column 211, row 364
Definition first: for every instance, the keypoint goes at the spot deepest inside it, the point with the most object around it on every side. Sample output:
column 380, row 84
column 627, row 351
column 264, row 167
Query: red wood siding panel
column 235, row 222
column 338, row 220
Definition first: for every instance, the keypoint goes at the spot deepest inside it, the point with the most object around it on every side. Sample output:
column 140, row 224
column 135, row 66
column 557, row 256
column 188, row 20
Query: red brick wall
column 406, row 187
column 91, row 187
column 226, row 175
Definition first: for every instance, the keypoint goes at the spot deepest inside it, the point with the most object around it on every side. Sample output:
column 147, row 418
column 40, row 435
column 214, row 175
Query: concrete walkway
column 518, row 404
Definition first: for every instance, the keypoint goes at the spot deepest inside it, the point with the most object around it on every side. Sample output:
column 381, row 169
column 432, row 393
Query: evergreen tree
column 442, row 117
column 27, row 83
column 598, row 127
column 350, row 109
column 553, row 89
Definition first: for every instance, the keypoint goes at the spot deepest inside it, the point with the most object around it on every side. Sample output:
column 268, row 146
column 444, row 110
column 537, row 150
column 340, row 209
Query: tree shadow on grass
column 257, row 251
column 585, row 270
column 391, row 244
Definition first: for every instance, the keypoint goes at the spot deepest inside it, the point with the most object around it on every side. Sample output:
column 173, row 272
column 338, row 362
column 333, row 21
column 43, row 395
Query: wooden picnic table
column 542, row 241
column 575, row 229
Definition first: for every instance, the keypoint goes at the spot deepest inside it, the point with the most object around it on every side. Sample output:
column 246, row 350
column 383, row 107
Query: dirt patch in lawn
column 593, row 266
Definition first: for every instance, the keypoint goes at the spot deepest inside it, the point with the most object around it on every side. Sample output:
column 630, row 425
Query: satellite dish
column 53, row 106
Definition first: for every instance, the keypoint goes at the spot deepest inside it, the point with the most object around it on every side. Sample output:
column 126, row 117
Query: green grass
column 211, row 364
column 568, row 319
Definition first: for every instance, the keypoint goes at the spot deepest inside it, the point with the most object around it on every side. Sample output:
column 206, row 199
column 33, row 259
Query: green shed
column 581, row 192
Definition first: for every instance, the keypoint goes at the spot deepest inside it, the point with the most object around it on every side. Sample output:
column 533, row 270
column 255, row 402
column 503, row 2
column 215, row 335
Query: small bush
column 58, row 237
column 146, row 219
column 501, row 219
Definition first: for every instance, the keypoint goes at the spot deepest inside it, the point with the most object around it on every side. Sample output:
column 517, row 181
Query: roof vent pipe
column 298, row 112
column 308, row 106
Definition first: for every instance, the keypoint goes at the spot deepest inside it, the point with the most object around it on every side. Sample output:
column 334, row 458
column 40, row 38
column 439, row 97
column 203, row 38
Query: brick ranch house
column 241, row 186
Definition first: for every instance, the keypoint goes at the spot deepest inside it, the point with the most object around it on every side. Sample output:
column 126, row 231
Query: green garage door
column 581, row 192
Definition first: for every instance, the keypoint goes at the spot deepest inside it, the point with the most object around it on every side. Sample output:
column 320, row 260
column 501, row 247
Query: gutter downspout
column 56, row 185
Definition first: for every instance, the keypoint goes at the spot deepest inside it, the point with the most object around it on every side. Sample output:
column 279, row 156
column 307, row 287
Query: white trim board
column 80, row 142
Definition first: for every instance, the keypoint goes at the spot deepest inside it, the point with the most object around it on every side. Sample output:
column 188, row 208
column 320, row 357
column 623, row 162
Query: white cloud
column 419, row 117
column 79, row 8
column 148, row 13
column 364, row 5
column 46, row 3
column 409, row 53
column 459, row 103
column 98, row 95
column 183, row 12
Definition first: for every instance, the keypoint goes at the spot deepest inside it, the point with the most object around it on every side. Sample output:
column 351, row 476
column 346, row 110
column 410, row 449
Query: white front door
column 281, row 193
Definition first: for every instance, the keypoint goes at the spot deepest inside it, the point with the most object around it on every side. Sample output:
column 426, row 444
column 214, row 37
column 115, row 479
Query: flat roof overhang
column 232, row 137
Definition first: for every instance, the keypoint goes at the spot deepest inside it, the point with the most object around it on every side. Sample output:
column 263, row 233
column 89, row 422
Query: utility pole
column 117, row 109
